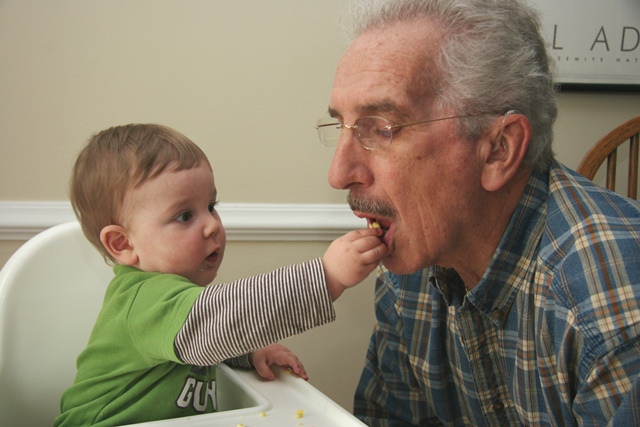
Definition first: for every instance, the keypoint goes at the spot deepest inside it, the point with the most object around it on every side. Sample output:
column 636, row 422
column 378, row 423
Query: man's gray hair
column 493, row 58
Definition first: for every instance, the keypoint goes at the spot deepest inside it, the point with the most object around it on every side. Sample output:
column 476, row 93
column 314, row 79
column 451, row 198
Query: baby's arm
column 350, row 259
column 279, row 355
column 232, row 319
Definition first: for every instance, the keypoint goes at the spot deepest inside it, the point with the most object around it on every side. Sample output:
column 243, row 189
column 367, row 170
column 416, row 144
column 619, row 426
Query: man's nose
column 349, row 164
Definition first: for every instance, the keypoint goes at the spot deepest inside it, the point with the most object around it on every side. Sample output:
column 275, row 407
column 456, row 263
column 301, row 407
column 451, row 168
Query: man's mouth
column 376, row 223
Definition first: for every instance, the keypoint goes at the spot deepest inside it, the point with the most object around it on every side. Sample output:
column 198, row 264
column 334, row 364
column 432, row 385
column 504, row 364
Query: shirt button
column 498, row 406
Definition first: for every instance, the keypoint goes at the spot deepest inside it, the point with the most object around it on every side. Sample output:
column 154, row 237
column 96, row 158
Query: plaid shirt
column 549, row 337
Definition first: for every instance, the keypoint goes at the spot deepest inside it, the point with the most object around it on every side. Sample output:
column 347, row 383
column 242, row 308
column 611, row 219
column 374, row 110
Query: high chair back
column 51, row 291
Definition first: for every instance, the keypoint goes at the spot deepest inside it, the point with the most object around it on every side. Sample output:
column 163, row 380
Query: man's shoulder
column 580, row 213
column 589, row 230
column 577, row 199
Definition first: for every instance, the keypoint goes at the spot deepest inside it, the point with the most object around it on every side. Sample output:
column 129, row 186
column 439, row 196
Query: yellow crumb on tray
column 263, row 414
column 299, row 413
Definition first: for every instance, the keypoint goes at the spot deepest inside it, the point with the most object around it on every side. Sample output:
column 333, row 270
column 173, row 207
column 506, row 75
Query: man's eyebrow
column 333, row 112
column 384, row 106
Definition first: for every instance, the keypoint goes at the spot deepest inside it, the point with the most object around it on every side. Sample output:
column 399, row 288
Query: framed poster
column 595, row 43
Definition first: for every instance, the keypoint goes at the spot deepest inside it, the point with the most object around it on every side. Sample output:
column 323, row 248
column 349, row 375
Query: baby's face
column 174, row 227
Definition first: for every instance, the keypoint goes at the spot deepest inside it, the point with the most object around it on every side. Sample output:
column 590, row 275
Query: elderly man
column 510, row 294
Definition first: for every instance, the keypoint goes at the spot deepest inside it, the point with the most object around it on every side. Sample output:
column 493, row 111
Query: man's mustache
column 373, row 207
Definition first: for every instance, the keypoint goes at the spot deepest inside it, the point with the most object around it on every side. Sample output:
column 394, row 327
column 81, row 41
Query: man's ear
column 504, row 149
column 116, row 241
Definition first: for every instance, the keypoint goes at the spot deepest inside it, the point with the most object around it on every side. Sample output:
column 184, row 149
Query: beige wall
column 246, row 80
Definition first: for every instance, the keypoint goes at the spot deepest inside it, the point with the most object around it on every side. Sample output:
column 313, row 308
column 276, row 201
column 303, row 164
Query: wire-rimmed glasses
column 372, row 132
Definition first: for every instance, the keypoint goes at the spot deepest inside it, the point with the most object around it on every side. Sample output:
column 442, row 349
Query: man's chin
column 400, row 266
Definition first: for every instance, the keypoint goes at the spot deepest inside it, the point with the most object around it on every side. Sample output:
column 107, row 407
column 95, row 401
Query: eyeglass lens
column 329, row 130
column 372, row 132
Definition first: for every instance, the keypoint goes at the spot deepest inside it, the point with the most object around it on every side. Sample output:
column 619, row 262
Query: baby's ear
column 115, row 239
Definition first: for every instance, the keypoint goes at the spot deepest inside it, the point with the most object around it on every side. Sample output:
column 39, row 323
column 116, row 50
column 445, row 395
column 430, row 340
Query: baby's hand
column 279, row 355
column 350, row 259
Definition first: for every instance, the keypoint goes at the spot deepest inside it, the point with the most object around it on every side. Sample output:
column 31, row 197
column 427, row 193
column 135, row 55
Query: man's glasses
column 372, row 132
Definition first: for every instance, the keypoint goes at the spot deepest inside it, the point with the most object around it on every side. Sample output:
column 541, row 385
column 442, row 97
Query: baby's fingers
column 263, row 369
column 368, row 243
column 374, row 253
column 363, row 233
column 299, row 370
column 286, row 359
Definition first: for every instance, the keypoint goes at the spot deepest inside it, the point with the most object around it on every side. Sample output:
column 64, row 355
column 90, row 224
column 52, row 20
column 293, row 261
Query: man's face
column 422, row 187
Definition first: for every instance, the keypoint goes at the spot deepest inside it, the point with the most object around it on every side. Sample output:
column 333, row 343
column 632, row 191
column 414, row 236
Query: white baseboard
column 242, row 221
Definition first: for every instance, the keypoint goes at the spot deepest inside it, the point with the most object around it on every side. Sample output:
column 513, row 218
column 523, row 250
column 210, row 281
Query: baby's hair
column 121, row 158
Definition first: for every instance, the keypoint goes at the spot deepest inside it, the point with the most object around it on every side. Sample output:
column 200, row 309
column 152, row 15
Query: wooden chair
column 607, row 148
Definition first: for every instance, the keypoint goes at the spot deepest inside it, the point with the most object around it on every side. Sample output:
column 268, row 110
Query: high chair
column 51, row 291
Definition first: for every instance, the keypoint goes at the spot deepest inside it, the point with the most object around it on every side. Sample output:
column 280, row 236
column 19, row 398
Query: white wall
column 246, row 80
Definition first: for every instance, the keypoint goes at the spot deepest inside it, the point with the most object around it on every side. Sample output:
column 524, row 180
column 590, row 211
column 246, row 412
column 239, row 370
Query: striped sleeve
column 232, row 319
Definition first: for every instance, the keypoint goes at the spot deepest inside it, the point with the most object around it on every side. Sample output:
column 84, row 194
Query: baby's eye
column 184, row 217
column 212, row 206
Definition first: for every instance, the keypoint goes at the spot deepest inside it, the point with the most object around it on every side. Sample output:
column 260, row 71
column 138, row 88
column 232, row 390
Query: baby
column 146, row 198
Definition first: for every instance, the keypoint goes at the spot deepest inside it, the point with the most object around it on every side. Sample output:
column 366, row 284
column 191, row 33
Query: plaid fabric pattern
column 549, row 337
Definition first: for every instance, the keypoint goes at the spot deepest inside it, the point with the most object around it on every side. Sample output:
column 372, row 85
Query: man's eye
column 384, row 132
column 184, row 217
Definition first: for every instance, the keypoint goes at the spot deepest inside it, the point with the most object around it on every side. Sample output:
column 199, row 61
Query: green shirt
column 154, row 328
column 129, row 371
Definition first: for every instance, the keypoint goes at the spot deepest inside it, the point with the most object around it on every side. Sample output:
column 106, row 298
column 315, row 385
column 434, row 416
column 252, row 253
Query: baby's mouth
column 213, row 256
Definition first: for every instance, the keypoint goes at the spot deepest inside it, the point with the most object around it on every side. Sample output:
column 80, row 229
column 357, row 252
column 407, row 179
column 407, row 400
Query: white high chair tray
column 267, row 404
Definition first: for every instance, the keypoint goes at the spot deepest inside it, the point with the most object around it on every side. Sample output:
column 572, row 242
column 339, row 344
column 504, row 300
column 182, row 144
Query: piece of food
column 299, row 413
column 374, row 224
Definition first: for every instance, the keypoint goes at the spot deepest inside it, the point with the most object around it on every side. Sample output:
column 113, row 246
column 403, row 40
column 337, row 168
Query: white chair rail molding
column 242, row 221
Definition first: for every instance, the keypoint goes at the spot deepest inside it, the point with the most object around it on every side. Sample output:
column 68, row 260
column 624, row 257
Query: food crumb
column 263, row 414
column 374, row 224
column 299, row 413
